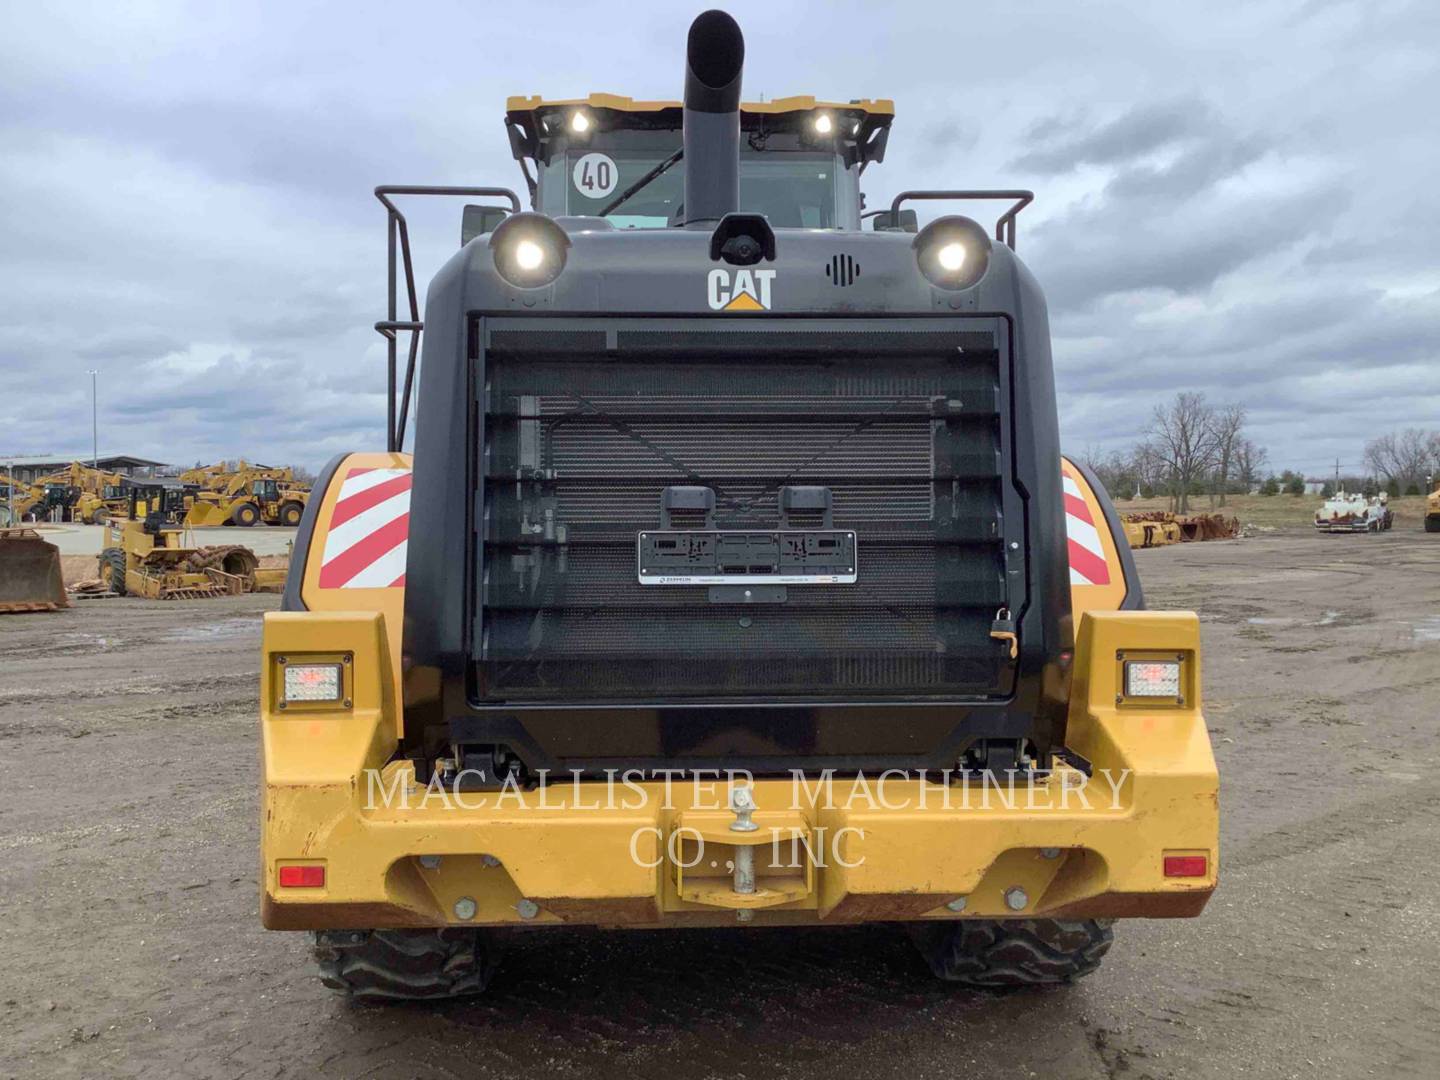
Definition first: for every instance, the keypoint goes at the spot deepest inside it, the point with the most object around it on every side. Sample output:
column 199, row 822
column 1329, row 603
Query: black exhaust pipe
column 714, row 57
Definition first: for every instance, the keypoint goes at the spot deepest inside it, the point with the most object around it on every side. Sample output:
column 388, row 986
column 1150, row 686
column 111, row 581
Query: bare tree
column 1185, row 436
column 1149, row 466
column 1401, row 458
column 1228, row 421
column 1249, row 460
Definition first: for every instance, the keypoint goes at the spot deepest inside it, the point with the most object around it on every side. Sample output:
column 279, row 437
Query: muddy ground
column 130, row 939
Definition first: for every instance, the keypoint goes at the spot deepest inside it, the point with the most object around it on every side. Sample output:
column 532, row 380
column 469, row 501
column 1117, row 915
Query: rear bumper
column 639, row 853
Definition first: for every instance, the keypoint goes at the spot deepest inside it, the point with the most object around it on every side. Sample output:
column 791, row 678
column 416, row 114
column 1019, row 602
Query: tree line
column 1191, row 448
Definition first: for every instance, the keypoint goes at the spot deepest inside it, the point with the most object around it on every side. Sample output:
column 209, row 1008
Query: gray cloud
column 1056, row 147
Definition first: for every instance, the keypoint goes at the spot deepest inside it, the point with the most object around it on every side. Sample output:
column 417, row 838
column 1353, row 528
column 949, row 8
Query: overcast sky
column 1234, row 198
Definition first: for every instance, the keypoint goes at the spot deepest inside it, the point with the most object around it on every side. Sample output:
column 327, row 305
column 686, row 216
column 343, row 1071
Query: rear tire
column 1013, row 952
column 405, row 965
column 112, row 569
column 291, row 513
column 245, row 515
column 1432, row 524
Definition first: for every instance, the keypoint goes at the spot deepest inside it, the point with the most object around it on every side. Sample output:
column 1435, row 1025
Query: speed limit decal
column 595, row 176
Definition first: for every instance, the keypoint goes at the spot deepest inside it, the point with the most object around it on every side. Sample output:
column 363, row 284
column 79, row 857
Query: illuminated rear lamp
column 1186, row 865
column 305, row 877
column 1152, row 678
column 312, row 682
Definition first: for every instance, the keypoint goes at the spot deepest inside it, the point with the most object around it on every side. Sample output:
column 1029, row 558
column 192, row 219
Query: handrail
column 1004, row 227
column 398, row 234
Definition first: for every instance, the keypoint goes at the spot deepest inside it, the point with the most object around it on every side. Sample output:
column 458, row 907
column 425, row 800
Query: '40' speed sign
column 595, row 176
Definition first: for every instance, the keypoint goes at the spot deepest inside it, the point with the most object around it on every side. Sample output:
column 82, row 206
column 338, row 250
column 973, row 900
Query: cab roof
column 619, row 103
column 861, row 131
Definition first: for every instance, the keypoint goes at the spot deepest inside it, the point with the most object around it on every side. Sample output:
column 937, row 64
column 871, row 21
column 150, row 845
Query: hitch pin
column 742, row 805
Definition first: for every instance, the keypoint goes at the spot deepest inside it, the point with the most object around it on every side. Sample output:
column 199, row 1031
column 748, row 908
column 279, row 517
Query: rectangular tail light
column 1186, row 865
column 302, row 877
column 312, row 682
column 1152, row 678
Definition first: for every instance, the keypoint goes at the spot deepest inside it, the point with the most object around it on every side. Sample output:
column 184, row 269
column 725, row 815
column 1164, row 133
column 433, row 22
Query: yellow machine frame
column 395, row 854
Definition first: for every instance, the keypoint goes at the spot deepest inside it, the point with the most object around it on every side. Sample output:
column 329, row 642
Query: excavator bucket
column 203, row 515
column 30, row 578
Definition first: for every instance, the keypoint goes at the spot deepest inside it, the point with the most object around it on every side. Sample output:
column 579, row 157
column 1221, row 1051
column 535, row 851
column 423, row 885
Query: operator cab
column 266, row 490
column 800, row 160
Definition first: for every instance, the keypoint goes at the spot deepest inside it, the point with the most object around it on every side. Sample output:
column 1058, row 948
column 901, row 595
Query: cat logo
column 750, row 291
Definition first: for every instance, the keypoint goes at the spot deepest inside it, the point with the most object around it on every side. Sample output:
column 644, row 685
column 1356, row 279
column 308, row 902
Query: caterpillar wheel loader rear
column 737, row 579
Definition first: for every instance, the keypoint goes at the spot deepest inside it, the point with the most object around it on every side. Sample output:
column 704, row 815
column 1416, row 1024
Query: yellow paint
column 583, row 859
column 620, row 103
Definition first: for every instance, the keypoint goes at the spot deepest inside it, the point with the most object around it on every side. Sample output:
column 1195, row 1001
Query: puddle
column 225, row 630
column 80, row 640
column 1328, row 618
column 1428, row 629
column 1270, row 621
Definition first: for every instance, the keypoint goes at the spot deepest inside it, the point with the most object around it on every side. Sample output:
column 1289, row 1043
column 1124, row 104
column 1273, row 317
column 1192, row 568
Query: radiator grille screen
column 583, row 433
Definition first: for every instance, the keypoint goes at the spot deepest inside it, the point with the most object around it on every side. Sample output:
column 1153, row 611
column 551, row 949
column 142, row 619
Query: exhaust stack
column 714, row 58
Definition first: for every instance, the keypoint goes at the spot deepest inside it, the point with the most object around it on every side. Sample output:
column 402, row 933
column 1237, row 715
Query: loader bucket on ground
column 30, row 578
column 204, row 515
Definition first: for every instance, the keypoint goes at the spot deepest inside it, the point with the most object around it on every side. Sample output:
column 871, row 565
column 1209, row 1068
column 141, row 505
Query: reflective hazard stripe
column 369, row 527
column 1087, row 555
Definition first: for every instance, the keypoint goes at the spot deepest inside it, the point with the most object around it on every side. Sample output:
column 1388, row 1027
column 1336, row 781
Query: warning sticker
column 595, row 176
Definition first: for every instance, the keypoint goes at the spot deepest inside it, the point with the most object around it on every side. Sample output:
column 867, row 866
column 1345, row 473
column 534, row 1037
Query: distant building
column 1315, row 486
column 29, row 468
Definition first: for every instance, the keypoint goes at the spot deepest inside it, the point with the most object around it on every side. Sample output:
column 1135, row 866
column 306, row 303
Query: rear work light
column 1186, row 865
column 312, row 682
column 1152, row 678
column 306, row 877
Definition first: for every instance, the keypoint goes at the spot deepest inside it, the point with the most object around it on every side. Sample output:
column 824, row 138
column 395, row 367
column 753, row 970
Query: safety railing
column 398, row 242
column 1004, row 227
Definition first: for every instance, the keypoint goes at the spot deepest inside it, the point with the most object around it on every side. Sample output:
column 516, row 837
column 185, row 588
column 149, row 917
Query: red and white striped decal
column 369, row 527
column 1087, row 556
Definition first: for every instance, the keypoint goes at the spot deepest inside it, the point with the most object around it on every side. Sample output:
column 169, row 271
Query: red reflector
column 313, row 877
column 1185, row 865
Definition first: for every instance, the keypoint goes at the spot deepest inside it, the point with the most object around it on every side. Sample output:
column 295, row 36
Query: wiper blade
column 658, row 170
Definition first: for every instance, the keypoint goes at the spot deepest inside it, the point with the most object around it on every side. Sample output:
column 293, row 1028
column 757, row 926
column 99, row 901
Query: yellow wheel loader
column 736, row 580
column 146, row 554
column 250, row 500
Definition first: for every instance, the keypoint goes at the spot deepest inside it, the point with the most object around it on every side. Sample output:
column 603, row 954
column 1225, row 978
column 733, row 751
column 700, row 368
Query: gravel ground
column 131, row 945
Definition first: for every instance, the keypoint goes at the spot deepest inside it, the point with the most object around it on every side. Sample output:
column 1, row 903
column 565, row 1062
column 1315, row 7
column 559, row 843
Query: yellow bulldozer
column 146, row 554
column 249, row 496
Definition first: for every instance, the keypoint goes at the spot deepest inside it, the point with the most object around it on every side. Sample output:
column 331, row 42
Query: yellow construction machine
column 1156, row 528
column 736, row 579
column 249, row 497
column 95, row 495
column 147, row 554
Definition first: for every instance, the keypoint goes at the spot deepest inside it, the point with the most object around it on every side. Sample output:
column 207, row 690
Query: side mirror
column 479, row 220
column 885, row 222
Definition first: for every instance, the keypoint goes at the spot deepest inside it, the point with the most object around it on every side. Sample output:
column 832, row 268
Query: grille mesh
column 580, row 443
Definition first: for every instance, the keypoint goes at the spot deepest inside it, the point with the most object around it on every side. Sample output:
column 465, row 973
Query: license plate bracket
column 746, row 556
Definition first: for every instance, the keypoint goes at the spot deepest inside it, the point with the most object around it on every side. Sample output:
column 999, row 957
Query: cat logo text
column 740, row 290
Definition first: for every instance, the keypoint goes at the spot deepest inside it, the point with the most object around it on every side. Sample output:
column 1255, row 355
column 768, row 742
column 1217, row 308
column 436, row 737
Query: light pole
column 94, row 420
